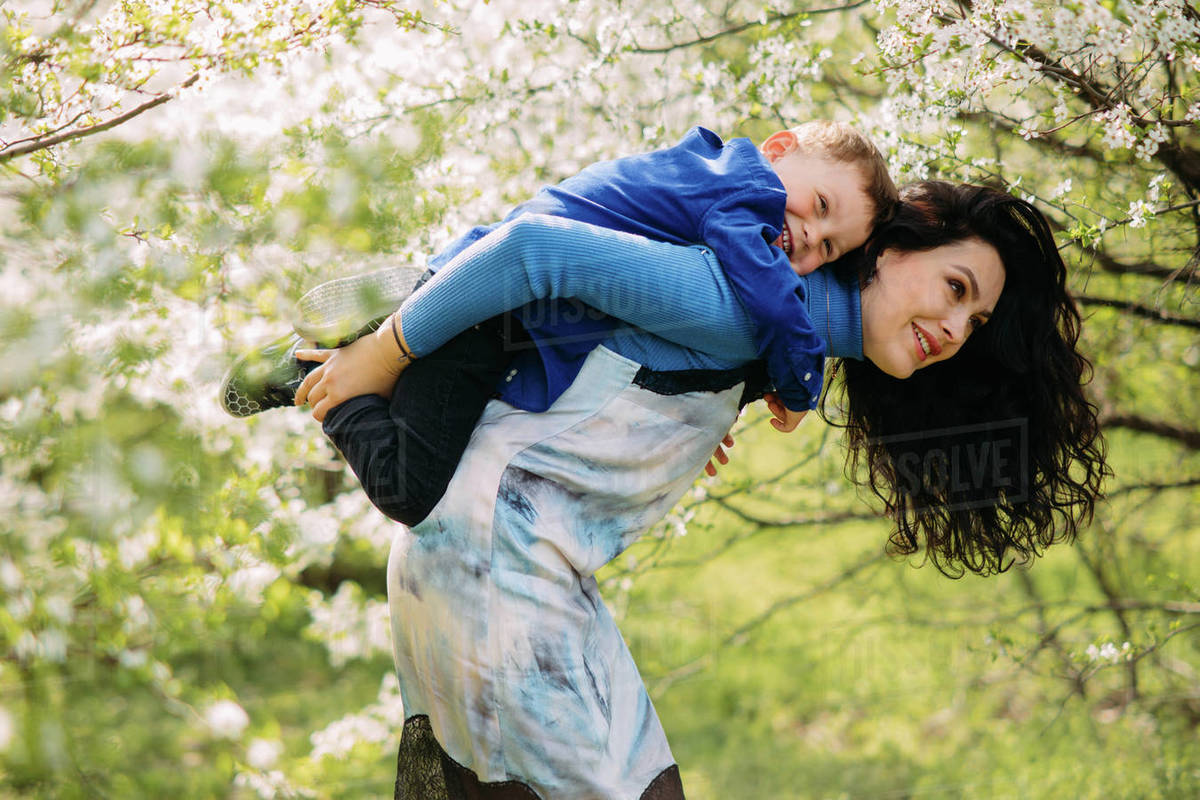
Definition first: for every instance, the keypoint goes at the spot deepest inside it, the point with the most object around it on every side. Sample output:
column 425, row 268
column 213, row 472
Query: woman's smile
column 926, row 344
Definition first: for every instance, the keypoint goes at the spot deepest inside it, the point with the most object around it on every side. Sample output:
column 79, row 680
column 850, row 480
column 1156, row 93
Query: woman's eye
column 958, row 288
column 976, row 323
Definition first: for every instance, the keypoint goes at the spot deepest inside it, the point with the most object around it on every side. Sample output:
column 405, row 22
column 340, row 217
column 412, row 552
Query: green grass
column 896, row 682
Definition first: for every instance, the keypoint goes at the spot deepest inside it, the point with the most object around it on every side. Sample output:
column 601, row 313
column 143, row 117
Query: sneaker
column 339, row 311
column 266, row 378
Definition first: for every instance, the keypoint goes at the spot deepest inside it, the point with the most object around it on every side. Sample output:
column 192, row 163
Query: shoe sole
column 339, row 311
column 247, row 388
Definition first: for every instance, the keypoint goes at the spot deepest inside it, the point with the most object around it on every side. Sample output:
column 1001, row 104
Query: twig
column 736, row 29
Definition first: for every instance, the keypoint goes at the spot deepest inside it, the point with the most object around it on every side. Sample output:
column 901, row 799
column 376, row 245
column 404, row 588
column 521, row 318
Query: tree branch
column 1188, row 437
column 1186, row 483
column 758, row 527
column 1108, row 263
column 1051, row 143
column 739, row 634
column 1102, row 576
column 371, row 577
column 1048, row 636
column 41, row 144
column 736, row 29
column 1138, row 310
column 785, row 522
column 1147, row 268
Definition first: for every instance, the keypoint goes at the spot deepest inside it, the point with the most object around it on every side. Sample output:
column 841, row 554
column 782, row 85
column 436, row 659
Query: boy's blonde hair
column 847, row 144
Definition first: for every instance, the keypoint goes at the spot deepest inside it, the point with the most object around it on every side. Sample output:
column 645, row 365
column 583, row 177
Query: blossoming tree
column 182, row 588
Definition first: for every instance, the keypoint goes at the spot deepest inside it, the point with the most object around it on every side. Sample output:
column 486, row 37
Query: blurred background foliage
column 194, row 605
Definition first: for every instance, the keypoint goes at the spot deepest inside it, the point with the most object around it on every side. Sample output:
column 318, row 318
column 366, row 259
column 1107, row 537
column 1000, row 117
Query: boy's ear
column 778, row 145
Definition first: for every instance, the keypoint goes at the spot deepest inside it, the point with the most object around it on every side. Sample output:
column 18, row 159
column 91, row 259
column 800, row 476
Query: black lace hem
column 670, row 382
column 425, row 772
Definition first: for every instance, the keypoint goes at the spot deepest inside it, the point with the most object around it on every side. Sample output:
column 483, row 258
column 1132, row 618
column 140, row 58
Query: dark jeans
column 404, row 451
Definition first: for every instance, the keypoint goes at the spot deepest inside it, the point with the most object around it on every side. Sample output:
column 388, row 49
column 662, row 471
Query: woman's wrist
column 398, row 336
column 390, row 346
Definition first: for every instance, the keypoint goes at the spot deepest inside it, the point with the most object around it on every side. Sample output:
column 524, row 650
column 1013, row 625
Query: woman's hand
column 710, row 468
column 785, row 420
column 369, row 365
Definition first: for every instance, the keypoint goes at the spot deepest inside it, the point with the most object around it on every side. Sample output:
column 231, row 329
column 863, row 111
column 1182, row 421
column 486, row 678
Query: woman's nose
column 955, row 328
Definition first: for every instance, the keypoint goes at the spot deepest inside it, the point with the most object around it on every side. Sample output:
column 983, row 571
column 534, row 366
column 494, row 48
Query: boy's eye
column 827, row 246
column 822, row 204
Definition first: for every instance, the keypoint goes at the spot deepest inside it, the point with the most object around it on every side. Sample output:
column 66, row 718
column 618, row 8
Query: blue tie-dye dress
column 516, row 681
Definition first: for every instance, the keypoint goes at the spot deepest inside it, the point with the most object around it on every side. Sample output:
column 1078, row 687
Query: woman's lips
column 923, row 340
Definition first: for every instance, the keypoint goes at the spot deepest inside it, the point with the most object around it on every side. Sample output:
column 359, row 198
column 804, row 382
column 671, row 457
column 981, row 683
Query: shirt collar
column 835, row 306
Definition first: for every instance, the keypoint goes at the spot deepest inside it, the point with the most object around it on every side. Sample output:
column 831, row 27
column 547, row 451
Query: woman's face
column 923, row 305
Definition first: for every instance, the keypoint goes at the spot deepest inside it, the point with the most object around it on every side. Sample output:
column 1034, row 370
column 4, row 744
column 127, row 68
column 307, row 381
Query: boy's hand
column 710, row 469
column 367, row 366
column 785, row 420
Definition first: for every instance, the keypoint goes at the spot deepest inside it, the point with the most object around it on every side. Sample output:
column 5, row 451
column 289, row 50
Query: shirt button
column 808, row 376
column 510, row 376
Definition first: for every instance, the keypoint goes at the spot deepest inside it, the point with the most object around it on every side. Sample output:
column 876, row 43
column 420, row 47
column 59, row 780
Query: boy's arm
column 772, row 294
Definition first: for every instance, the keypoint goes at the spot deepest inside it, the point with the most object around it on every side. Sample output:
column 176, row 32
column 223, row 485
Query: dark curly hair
column 991, row 456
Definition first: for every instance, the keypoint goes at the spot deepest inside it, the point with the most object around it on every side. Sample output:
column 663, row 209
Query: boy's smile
column 786, row 243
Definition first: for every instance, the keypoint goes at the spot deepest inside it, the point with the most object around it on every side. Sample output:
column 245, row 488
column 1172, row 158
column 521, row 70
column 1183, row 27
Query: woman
column 515, row 679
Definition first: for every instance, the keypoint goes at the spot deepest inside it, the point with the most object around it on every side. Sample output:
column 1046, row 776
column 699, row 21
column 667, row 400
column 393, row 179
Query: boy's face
column 827, row 211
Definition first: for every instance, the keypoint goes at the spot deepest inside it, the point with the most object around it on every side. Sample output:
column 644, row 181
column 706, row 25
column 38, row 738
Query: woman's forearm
column 676, row 292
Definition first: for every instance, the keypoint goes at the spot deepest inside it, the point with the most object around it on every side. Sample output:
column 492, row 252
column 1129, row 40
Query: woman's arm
column 678, row 293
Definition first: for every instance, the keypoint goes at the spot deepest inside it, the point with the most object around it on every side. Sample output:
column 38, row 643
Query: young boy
column 810, row 195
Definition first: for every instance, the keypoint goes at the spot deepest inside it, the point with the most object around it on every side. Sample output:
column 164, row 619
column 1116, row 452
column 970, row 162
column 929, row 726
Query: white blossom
column 269, row 784
column 10, row 575
column 375, row 724
column 1118, row 127
column 136, row 612
column 47, row 645
column 52, row 645
column 1155, row 187
column 1108, row 652
column 226, row 719
column 349, row 625
column 263, row 753
column 133, row 659
column 135, row 548
column 1139, row 211
column 59, row 608
column 20, row 606
column 1148, row 146
column 8, row 729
